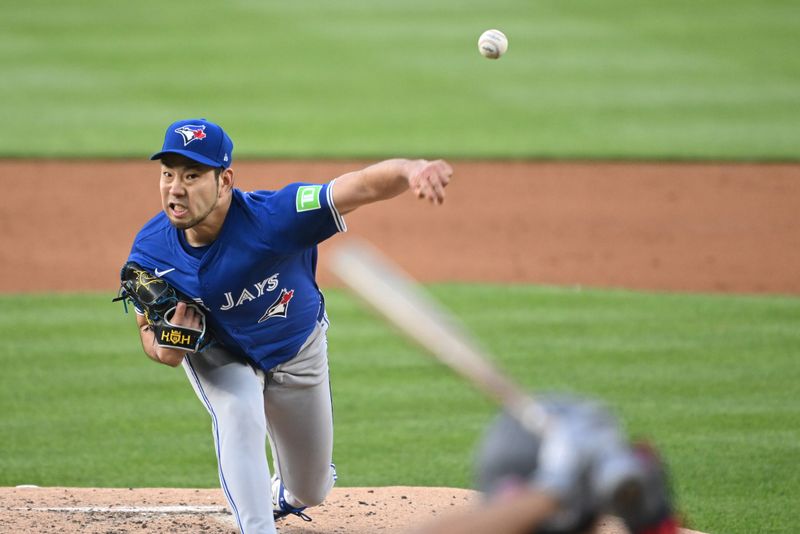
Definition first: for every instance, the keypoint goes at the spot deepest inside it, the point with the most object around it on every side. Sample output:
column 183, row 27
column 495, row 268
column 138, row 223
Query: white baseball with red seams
column 492, row 44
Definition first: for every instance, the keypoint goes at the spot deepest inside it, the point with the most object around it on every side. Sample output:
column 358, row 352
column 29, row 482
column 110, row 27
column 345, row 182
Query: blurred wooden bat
column 404, row 303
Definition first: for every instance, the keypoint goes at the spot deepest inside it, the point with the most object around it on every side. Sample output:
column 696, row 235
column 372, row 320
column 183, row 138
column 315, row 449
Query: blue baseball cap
column 198, row 140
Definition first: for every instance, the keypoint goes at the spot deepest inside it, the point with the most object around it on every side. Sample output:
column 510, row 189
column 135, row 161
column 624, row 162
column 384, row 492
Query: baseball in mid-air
column 492, row 44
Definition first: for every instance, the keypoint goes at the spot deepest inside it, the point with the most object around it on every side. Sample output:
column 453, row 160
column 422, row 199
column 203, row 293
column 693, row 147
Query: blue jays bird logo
column 190, row 133
column 280, row 306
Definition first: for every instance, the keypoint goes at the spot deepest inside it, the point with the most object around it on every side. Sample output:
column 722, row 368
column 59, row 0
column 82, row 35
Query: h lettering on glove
column 186, row 336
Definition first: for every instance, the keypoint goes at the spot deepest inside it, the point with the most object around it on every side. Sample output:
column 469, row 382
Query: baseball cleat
column 280, row 508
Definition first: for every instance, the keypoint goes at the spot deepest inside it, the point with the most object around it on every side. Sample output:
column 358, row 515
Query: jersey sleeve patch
column 308, row 198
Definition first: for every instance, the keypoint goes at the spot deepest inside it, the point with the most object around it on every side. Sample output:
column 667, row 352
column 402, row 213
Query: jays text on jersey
column 256, row 281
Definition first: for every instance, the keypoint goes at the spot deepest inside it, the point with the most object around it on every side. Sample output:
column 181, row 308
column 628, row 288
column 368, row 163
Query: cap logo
column 190, row 133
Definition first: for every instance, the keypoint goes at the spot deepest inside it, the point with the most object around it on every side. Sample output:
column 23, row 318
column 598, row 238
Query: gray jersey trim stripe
column 338, row 219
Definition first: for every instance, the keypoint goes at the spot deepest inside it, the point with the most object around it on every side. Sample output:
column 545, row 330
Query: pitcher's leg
column 233, row 395
column 297, row 401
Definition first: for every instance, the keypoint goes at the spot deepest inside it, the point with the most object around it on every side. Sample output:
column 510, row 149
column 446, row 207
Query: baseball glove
column 156, row 299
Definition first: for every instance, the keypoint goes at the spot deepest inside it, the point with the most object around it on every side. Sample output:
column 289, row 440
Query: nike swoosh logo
column 162, row 273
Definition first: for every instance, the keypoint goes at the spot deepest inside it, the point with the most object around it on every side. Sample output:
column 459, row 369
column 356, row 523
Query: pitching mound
column 348, row 510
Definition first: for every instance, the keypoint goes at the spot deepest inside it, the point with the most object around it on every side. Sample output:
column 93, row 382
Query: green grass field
column 712, row 379
column 618, row 78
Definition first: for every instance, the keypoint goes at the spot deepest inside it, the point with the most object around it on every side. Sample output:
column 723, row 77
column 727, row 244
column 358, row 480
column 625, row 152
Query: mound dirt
column 387, row 510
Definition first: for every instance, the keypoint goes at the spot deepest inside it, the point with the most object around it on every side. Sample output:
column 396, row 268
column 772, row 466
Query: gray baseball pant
column 290, row 405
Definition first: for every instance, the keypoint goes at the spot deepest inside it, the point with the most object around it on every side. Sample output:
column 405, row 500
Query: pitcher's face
column 189, row 191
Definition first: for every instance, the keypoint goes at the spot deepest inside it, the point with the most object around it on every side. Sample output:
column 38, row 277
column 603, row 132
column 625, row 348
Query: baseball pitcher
column 223, row 283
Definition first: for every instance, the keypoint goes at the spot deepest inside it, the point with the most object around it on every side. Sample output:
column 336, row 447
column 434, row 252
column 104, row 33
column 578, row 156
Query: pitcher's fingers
column 179, row 315
column 438, row 188
column 193, row 319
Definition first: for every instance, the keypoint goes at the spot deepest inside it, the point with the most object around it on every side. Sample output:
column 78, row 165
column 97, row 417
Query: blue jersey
column 256, row 281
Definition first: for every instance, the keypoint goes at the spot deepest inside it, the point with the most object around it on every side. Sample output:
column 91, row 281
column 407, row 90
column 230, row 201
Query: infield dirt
column 387, row 510
column 68, row 226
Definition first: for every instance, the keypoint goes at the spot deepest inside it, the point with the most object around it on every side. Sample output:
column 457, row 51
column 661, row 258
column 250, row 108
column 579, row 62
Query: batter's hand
column 578, row 437
column 429, row 180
